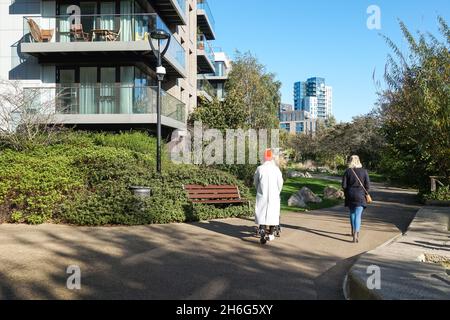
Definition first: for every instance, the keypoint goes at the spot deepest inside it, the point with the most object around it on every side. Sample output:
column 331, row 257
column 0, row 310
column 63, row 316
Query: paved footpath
column 212, row 260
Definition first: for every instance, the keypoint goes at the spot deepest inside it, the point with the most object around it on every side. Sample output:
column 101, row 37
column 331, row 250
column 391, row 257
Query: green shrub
column 208, row 212
column 136, row 141
column 84, row 179
column 32, row 187
column 241, row 172
column 442, row 194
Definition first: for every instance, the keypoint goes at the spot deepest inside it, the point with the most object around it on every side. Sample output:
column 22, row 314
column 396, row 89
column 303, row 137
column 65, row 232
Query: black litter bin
column 142, row 192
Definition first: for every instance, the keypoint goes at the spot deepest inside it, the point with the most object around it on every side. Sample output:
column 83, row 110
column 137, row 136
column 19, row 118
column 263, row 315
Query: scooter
column 264, row 233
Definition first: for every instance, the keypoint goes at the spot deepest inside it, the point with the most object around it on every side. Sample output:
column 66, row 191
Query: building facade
column 298, row 122
column 315, row 97
column 284, row 107
column 95, row 57
column 213, row 84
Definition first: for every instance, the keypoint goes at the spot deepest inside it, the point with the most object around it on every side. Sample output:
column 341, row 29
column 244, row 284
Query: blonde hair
column 354, row 162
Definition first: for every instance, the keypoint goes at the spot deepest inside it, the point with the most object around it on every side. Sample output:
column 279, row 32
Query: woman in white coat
column 268, row 181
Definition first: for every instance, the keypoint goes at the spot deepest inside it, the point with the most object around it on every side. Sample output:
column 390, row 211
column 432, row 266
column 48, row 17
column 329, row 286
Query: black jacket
column 355, row 196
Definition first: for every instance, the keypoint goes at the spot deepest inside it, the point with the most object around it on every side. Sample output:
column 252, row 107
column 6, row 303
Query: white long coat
column 268, row 181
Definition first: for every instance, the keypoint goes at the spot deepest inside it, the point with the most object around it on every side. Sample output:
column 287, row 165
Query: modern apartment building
column 284, row 107
column 299, row 94
column 213, row 84
column 95, row 58
column 298, row 122
column 315, row 97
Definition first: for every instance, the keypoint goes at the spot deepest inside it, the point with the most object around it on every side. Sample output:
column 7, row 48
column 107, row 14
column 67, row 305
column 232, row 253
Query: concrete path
column 410, row 267
column 212, row 260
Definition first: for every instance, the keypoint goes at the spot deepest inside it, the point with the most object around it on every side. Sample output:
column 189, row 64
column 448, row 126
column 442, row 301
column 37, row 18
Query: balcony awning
column 205, row 25
column 173, row 12
column 116, row 52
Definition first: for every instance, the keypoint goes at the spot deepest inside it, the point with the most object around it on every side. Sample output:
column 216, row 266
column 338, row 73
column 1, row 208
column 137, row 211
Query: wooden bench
column 215, row 194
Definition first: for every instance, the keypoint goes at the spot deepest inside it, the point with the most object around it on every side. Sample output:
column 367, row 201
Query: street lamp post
column 159, row 35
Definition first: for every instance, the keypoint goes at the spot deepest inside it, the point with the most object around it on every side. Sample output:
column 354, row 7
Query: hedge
column 84, row 179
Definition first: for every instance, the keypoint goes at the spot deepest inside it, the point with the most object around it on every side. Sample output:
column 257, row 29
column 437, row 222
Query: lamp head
column 159, row 34
column 160, row 73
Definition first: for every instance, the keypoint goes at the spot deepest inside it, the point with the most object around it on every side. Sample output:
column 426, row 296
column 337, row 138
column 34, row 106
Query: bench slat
column 215, row 196
column 218, row 192
column 193, row 187
column 219, row 201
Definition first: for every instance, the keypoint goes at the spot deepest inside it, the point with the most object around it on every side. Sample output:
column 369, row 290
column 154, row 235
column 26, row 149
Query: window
column 286, row 126
column 220, row 68
column 299, row 127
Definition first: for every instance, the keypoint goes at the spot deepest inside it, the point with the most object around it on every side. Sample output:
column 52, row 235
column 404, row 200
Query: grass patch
column 373, row 176
column 317, row 186
column 377, row 177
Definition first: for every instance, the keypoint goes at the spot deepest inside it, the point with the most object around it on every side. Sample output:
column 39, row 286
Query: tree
column 219, row 115
column 26, row 116
column 252, row 98
column 332, row 145
column 415, row 107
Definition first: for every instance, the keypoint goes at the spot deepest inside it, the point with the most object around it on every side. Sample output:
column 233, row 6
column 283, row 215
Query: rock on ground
column 296, row 200
column 333, row 193
column 302, row 197
column 295, row 174
column 309, row 196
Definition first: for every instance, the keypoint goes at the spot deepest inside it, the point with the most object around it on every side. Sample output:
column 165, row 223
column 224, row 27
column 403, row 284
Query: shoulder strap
column 362, row 185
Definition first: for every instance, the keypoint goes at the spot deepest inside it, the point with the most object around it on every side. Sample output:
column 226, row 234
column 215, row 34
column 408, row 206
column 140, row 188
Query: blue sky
column 298, row 39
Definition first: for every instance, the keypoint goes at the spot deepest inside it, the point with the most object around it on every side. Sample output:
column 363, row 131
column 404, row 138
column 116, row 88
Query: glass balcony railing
column 203, row 5
column 94, row 28
column 182, row 4
column 106, row 99
column 206, row 86
column 204, row 45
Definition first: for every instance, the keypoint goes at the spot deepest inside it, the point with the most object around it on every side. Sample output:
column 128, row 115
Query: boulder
column 333, row 193
column 302, row 197
column 295, row 174
column 296, row 201
column 309, row 196
column 308, row 175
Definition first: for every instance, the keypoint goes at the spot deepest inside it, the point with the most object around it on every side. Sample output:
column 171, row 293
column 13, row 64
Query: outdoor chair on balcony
column 76, row 30
column 38, row 34
column 113, row 35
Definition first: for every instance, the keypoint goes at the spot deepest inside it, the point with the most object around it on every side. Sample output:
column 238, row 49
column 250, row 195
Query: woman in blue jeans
column 354, row 179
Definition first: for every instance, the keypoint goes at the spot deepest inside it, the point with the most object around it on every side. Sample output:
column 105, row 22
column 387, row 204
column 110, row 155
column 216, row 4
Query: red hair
column 268, row 155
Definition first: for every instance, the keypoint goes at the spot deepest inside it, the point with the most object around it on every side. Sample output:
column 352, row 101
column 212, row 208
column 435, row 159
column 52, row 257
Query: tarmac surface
column 220, row 259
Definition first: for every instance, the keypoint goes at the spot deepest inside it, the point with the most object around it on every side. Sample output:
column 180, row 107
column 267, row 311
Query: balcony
column 113, row 39
column 205, row 20
column 172, row 11
column 205, row 89
column 108, row 104
column 205, row 56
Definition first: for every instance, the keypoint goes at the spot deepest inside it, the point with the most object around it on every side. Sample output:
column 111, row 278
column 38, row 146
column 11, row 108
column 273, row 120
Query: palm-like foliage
column 415, row 106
